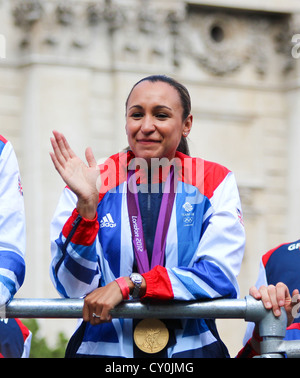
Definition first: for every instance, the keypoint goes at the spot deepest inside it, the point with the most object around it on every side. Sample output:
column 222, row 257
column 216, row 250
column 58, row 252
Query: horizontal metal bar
column 72, row 308
column 270, row 328
column 44, row 308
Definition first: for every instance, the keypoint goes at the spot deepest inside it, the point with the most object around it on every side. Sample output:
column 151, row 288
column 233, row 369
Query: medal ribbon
column 163, row 222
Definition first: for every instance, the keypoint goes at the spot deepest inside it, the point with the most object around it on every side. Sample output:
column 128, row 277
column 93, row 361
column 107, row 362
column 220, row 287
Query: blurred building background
column 69, row 65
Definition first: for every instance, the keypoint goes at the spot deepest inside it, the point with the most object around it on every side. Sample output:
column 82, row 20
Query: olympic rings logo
column 188, row 220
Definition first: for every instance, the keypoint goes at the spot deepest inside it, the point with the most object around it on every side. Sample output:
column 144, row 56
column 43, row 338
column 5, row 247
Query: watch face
column 136, row 277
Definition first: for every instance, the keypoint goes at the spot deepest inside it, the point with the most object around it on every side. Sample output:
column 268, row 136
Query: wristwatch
column 137, row 280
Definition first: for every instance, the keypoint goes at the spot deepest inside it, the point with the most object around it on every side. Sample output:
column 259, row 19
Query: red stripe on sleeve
column 158, row 284
column 23, row 328
column 2, row 139
column 86, row 231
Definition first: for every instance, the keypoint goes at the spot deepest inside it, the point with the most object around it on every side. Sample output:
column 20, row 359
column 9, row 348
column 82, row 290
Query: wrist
column 86, row 209
column 137, row 280
column 123, row 287
column 131, row 286
column 84, row 231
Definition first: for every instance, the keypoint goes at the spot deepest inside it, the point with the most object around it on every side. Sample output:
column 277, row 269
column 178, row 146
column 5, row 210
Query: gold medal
column 151, row 335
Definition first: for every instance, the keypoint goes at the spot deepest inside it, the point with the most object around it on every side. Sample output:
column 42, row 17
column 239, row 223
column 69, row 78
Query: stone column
column 293, row 130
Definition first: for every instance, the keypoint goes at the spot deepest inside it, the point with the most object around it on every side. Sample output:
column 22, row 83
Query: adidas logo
column 107, row 221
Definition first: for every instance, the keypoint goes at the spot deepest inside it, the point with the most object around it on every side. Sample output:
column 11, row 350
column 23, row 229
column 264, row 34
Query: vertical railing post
column 272, row 329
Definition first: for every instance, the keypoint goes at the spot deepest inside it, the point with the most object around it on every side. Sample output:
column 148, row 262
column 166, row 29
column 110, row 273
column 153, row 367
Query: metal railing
column 271, row 329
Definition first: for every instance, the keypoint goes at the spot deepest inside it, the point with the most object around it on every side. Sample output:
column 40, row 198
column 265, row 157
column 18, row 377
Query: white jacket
column 12, row 224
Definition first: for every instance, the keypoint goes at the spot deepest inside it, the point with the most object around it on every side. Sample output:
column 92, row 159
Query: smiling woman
column 185, row 102
column 154, row 120
column 177, row 235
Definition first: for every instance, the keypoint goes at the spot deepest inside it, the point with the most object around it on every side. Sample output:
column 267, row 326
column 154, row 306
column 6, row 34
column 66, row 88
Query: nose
column 147, row 126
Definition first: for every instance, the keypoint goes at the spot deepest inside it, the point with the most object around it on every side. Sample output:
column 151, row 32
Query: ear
column 188, row 122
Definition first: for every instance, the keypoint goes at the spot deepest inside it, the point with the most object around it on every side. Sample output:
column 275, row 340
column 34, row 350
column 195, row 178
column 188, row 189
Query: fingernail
column 277, row 312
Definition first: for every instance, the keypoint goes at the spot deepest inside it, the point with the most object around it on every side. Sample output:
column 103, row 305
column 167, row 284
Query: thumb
column 90, row 158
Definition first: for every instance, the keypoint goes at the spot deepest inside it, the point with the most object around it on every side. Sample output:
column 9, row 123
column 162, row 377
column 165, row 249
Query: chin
column 147, row 155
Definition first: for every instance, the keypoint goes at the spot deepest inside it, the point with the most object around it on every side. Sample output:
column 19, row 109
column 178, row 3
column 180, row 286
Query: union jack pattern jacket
column 204, row 250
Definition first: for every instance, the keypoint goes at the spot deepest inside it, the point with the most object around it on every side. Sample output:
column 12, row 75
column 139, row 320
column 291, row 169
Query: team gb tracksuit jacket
column 15, row 338
column 204, row 250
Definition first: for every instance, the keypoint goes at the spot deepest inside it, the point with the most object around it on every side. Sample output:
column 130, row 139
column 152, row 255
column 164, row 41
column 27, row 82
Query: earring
column 185, row 134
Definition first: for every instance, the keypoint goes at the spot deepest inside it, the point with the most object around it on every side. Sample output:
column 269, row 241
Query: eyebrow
column 158, row 107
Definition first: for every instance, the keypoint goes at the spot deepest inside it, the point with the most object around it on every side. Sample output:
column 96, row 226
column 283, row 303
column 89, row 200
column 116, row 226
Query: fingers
column 57, row 156
column 255, row 293
column 95, row 313
column 62, row 152
column 90, row 157
column 273, row 297
column 268, row 297
column 99, row 303
column 63, row 145
column 61, row 149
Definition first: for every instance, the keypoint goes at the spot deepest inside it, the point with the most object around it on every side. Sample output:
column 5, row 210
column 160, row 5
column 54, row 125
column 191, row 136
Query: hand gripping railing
column 271, row 329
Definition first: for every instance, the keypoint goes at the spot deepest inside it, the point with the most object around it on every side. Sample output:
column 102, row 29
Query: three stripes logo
column 107, row 221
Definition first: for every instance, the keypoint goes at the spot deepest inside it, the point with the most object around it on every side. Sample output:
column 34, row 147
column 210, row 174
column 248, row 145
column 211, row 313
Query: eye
column 136, row 115
column 162, row 116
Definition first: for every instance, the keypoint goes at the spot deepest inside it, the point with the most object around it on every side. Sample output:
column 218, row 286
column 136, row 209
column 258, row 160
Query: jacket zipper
column 75, row 225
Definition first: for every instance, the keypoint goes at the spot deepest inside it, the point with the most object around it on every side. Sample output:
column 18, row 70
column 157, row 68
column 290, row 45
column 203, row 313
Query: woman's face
column 154, row 124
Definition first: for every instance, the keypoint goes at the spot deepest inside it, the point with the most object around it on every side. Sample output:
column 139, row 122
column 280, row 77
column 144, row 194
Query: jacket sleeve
column 213, row 271
column 74, row 266
column 12, row 225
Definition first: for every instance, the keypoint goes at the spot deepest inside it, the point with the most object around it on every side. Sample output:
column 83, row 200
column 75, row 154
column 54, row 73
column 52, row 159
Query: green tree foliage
column 39, row 346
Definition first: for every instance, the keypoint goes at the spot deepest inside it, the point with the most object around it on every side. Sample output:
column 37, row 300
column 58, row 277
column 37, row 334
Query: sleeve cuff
column 86, row 231
column 158, row 284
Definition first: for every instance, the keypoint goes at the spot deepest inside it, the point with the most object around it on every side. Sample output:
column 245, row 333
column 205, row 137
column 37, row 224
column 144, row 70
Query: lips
column 147, row 141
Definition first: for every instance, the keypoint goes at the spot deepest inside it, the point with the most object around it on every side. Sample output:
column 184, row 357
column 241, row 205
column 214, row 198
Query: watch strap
column 137, row 285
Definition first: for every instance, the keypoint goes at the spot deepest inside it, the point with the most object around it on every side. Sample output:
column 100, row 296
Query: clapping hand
column 81, row 178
